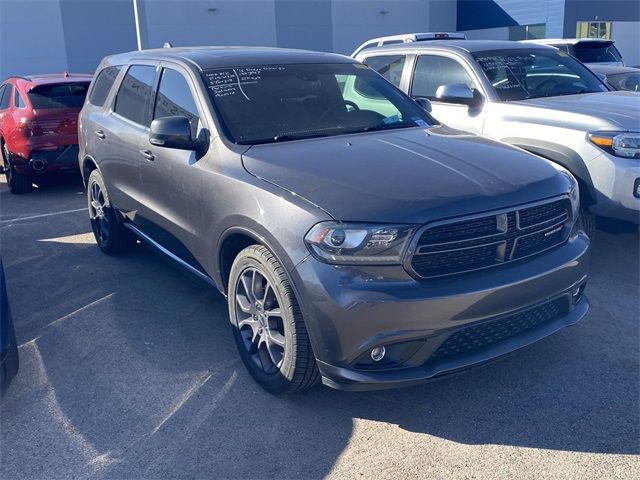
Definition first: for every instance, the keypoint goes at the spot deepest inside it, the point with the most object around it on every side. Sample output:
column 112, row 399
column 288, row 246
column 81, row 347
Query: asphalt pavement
column 128, row 370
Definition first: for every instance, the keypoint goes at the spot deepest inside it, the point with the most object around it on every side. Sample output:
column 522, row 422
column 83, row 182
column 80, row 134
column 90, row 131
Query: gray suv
column 357, row 240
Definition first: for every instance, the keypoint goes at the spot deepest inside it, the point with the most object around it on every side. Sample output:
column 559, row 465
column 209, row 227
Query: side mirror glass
column 423, row 103
column 172, row 132
column 458, row 93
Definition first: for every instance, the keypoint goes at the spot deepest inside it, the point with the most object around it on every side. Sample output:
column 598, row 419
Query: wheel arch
column 87, row 166
column 563, row 156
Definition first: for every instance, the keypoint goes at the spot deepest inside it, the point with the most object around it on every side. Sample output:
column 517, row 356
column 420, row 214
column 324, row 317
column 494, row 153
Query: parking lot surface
column 128, row 370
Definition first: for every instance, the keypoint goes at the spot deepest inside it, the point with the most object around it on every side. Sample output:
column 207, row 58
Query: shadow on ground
column 128, row 369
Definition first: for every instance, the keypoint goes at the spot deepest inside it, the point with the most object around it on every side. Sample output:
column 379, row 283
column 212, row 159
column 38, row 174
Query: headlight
column 355, row 243
column 620, row 144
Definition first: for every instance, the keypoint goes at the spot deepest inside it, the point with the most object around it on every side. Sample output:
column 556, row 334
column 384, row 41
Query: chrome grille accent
column 464, row 245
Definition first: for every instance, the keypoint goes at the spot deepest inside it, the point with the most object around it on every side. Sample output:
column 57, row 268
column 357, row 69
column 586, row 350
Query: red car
column 39, row 126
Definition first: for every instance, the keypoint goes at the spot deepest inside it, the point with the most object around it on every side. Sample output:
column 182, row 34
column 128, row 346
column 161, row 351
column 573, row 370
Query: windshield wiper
column 390, row 126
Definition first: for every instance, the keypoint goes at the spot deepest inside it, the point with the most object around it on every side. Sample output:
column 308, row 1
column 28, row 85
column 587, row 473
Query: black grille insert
column 489, row 240
column 494, row 331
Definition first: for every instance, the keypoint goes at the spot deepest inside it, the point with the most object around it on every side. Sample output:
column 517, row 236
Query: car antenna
column 66, row 74
column 167, row 45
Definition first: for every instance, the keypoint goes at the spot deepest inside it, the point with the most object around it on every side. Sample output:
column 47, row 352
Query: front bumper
column 350, row 310
column 614, row 179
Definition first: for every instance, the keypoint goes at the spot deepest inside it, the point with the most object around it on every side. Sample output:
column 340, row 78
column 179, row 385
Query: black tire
column 17, row 182
column 296, row 369
column 588, row 221
column 111, row 236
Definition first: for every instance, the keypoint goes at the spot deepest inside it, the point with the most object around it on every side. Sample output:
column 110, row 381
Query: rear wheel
column 111, row 236
column 267, row 323
column 17, row 182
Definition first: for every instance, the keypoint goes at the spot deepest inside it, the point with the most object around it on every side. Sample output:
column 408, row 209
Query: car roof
column 566, row 41
column 51, row 78
column 469, row 46
column 220, row 57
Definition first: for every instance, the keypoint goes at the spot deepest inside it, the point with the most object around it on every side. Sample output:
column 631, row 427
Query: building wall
column 627, row 37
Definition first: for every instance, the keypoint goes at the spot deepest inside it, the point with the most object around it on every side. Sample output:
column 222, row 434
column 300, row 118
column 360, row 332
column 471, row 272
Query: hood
column 405, row 176
column 593, row 111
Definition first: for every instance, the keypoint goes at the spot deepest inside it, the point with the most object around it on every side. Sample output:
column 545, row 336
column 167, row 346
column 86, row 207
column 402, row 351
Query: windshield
column 596, row 52
column 625, row 81
column 64, row 95
column 273, row 103
column 520, row 75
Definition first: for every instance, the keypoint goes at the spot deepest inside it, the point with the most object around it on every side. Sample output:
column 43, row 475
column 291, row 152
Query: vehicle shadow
column 129, row 370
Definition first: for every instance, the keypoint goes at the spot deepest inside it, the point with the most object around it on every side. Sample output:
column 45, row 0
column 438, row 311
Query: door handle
column 148, row 155
column 100, row 134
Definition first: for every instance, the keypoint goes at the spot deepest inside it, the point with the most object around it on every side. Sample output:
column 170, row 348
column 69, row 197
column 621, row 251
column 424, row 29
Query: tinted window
column 596, row 52
column 61, row 95
column 175, row 99
column 102, row 85
column 18, row 101
column 519, row 75
column 389, row 66
column 433, row 71
column 134, row 95
column 274, row 103
column 625, row 81
column 5, row 95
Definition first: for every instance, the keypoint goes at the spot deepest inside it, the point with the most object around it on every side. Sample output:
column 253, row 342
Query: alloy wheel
column 97, row 213
column 260, row 320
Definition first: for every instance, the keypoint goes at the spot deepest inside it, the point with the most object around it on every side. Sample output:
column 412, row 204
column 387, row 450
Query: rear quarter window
column 102, row 85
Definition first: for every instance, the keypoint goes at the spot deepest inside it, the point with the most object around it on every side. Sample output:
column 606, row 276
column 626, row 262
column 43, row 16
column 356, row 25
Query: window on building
column 134, row 95
column 175, row 99
column 593, row 30
column 433, row 71
column 102, row 85
column 527, row 32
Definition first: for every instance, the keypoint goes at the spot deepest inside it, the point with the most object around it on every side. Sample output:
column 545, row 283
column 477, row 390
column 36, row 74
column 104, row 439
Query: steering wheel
column 339, row 104
column 549, row 81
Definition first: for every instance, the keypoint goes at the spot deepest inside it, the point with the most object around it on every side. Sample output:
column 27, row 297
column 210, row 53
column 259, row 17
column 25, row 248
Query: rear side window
column 5, row 96
column 134, row 96
column 60, row 95
column 18, row 101
column 175, row 99
column 102, row 85
column 389, row 66
column 433, row 71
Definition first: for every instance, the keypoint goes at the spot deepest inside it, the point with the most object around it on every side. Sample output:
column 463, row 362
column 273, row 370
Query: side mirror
column 172, row 132
column 423, row 103
column 458, row 93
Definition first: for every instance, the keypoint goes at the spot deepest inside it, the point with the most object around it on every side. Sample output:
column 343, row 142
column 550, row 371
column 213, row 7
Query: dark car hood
column 405, row 176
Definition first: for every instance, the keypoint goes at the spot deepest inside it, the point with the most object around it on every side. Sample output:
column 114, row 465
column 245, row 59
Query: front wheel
column 588, row 221
column 111, row 236
column 267, row 323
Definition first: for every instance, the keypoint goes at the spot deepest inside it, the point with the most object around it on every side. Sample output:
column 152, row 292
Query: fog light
column 636, row 188
column 378, row 353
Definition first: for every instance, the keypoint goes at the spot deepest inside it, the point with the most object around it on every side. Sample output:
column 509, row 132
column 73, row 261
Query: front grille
column 494, row 331
column 465, row 245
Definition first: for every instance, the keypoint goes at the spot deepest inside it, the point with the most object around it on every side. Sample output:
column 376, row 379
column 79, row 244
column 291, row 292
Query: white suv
column 535, row 97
